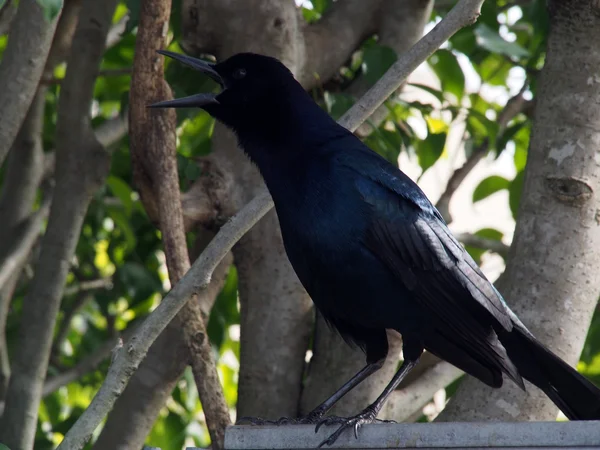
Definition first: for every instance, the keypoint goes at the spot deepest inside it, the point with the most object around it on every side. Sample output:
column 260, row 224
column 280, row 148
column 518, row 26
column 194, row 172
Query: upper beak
column 197, row 100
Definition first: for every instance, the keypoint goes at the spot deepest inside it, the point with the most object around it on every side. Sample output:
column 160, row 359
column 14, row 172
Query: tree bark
column 82, row 165
column 22, row 66
column 25, row 166
column 552, row 281
column 274, row 307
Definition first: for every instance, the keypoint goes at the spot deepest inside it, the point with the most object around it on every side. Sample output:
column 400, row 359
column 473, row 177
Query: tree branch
column 21, row 68
column 89, row 285
column 329, row 43
column 404, row 403
column 551, row 281
column 108, row 133
column 22, row 175
column 7, row 13
column 87, row 364
column 103, row 73
column 81, row 290
column 153, row 152
column 402, row 24
column 199, row 275
column 115, row 34
column 513, row 107
column 484, row 243
column 63, row 36
column 113, row 130
column 24, row 237
column 82, row 165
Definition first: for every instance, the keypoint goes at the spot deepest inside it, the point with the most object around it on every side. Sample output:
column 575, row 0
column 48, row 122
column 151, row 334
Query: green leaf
column 168, row 432
column 2, row 2
column 488, row 233
column 320, row 6
column 492, row 41
column 338, row 104
column 139, row 282
column 489, row 186
column 50, row 8
column 387, row 143
column 446, row 67
column 377, row 59
column 521, row 140
column 122, row 191
column 134, row 7
column 225, row 310
column 122, row 222
column 494, row 69
column 507, row 136
column 514, row 193
column 435, row 92
column 2, row 446
column 464, row 41
column 176, row 15
column 430, row 150
column 481, row 128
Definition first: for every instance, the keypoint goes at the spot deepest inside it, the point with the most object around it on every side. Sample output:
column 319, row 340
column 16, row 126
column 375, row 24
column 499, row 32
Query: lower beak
column 197, row 100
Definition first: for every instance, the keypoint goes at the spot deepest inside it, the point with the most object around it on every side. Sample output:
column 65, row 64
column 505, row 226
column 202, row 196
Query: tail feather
column 576, row 396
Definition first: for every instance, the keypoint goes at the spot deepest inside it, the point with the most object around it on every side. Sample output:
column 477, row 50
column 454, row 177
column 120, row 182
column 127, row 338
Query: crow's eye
column 240, row 73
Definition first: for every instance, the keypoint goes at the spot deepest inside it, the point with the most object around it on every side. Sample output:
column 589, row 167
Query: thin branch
column 19, row 190
column 108, row 133
column 513, row 107
column 24, row 238
column 402, row 25
column 330, row 42
column 63, row 37
column 199, row 275
column 464, row 13
column 21, row 68
column 484, row 243
column 115, row 34
column 84, row 366
column 404, row 403
column 102, row 73
column 89, row 285
column 82, row 290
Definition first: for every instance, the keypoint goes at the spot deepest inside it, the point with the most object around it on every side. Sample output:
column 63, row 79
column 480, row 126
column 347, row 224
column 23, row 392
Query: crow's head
column 255, row 88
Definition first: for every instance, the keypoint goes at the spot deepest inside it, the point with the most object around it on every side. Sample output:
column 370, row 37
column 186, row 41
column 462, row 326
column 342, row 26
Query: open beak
column 197, row 100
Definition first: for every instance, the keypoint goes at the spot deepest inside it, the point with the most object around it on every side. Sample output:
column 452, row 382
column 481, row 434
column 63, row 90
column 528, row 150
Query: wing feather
column 408, row 234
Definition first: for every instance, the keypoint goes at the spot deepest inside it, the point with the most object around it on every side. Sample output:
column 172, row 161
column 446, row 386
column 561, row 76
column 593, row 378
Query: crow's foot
column 365, row 417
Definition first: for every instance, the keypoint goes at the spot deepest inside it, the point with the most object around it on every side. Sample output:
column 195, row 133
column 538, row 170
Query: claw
column 365, row 417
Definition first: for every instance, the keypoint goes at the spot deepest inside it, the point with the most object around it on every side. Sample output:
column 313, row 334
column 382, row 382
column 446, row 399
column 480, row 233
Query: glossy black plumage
column 371, row 249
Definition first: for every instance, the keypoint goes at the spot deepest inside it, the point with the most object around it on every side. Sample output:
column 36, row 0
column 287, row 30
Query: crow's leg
column 369, row 414
column 376, row 345
column 315, row 415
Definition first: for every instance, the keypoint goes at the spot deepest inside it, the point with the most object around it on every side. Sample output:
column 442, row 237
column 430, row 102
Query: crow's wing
column 409, row 234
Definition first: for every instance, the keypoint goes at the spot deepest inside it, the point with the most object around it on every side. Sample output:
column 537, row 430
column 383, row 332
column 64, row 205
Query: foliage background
column 448, row 115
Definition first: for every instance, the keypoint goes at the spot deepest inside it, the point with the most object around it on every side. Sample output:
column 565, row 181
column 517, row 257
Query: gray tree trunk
column 82, row 165
column 552, row 280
